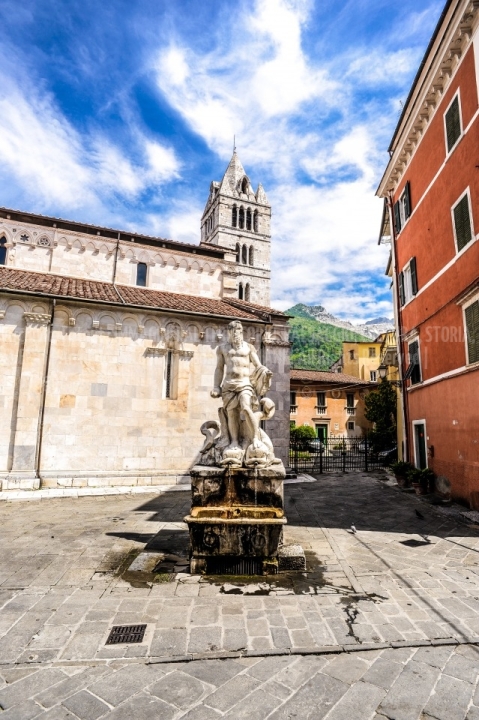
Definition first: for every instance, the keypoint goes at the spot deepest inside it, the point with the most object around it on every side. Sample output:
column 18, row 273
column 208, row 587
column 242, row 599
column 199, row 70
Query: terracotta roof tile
column 94, row 290
column 328, row 377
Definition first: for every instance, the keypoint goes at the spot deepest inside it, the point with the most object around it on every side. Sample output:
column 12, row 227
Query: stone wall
column 103, row 417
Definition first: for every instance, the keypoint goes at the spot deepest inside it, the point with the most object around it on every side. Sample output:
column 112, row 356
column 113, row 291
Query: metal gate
column 339, row 454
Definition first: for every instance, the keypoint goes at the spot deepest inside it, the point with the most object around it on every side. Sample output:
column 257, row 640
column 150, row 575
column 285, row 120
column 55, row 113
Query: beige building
column 108, row 348
column 361, row 359
column 331, row 403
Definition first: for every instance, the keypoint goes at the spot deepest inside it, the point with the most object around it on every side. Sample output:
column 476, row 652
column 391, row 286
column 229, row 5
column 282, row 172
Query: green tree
column 381, row 409
column 302, row 435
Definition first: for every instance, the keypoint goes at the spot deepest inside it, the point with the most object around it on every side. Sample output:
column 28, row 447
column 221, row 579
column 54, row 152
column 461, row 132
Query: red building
column 431, row 218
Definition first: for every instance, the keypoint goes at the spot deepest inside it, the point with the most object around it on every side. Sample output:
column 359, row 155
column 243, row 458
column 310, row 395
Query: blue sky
column 121, row 114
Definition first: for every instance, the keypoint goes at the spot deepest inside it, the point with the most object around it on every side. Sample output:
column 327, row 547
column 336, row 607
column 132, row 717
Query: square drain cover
column 126, row 634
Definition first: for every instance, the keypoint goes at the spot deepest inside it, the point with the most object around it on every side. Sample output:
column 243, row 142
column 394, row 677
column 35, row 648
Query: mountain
column 368, row 331
column 316, row 345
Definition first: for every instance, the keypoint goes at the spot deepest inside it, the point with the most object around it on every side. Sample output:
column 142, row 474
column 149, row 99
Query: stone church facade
column 108, row 342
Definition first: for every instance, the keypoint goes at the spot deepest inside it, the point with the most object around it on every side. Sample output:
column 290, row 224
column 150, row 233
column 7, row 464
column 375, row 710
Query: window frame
column 467, row 192
column 400, row 208
column 146, row 274
column 353, row 428
column 416, row 454
column 457, row 95
column 372, row 352
column 468, row 303
column 409, row 288
column 371, row 373
column 409, row 343
column 3, row 247
column 348, row 395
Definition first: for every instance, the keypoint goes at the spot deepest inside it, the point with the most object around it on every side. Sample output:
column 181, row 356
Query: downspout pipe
column 115, row 262
column 399, row 327
column 38, row 458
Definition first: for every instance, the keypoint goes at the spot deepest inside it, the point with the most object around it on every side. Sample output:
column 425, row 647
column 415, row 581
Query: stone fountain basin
column 237, row 515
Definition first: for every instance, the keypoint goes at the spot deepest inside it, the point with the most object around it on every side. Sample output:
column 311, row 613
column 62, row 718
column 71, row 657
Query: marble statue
column 241, row 381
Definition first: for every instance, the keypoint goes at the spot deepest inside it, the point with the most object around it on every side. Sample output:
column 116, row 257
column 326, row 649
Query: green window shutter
column 407, row 200
column 402, row 296
column 413, row 269
column 462, row 223
column 472, row 329
column 397, row 218
column 453, row 124
column 415, row 363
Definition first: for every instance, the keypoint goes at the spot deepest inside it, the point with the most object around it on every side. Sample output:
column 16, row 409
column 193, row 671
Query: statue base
column 236, row 520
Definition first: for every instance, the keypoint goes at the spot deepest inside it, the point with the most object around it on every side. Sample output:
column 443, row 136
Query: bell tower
column 237, row 218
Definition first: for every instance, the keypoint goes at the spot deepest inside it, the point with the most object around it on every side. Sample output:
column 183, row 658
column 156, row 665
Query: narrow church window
column 247, row 292
column 141, row 272
column 241, row 217
column 238, row 253
column 244, row 186
column 244, row 255
column 240, row 291
column 248, row 219
column 168, row 383
column 255, row 221
column 251, row 255
column 234, row 216
column 3, row 251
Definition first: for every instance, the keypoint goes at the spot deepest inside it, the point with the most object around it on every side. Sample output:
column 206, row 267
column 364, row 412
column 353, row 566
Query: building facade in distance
column 431, row 193
column 108, row 349
column 331, row 403
column 361, row 359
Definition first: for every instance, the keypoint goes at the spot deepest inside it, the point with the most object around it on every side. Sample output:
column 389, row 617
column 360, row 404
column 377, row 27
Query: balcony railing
column 321, row 409
column 293, row 409
column 350, row 410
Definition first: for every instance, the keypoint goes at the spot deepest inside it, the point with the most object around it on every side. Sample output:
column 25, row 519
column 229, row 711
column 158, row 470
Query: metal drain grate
column 126, row 634
column 224, row 565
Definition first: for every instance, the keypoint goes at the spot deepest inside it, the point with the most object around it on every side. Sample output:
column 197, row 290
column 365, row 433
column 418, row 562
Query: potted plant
column 414, row 477
column 400, row 470
column 427, row 481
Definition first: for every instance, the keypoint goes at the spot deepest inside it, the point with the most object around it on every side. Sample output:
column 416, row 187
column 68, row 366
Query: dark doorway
column 420, row 445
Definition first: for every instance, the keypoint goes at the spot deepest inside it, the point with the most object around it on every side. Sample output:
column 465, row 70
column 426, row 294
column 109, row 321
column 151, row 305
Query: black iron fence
column 338, row 454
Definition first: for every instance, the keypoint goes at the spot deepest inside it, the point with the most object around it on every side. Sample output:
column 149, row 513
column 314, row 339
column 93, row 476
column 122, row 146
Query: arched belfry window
column 251, row 255
column 247, row 292
column 141, row 273
column 255, row 221
column 244, row 255
column 3, row 251
column 238, row 252
column 234, row 216
column 248, row 219
column 241, row 217
column 240, row 291
column 244, row 186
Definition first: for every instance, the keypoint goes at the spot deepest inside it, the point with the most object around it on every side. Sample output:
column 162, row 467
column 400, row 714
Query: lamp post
column 383, row 372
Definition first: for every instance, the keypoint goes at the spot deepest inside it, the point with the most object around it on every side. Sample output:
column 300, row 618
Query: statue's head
column 235, row 332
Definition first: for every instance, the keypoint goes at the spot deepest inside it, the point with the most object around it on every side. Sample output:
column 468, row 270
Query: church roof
column 234, row 173
column 69, row 288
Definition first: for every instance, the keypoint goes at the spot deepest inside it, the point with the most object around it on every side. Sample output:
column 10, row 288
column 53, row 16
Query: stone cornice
column 37, row 318
column 440, row 66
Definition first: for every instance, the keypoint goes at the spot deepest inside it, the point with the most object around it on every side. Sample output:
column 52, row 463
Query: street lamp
column 383, row 371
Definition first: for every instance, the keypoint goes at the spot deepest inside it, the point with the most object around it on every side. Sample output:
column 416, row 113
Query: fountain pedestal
column 236, row 520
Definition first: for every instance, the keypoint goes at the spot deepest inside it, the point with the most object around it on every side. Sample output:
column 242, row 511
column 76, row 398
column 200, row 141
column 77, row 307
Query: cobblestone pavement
column 385, row 623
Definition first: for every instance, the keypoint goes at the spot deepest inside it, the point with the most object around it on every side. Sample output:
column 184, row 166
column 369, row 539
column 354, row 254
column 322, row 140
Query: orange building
column 431, row 218
column 331, row 403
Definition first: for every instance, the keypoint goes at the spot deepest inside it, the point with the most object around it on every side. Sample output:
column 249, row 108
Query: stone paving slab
column 382, row 621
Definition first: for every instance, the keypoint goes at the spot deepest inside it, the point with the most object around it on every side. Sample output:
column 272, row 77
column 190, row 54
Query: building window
column 234, row 216
column 24, row 238
column 350, row 424
column 168, row 377
column 462, row 222
column 247, row 292
column 402, row 209
column 244, row 255
column 372, row 352
column 3, row 251
column 248, row 219
column 452, row 122
column 321, row 399
column 251, row 255
column 408, row 282
column 351, row 354
column 471, row 316
column 238, row 252
column 241, row 218
column 292, row 402
column 244, row 186
column 141, row 273
column 373, row 376
column 350, row 400
column 240, row 291
column 413, row 373
column 255, row 221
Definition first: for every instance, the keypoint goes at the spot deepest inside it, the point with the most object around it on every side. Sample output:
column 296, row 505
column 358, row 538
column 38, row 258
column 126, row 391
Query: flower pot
column 401, row 480
column 417, row 488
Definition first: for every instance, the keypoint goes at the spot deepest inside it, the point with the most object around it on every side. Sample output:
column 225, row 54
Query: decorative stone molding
column 37, row 318
column 72, row 322
column 95, row 324
column 156, row 352
column 202, row 334
column 2, row 314
column 276, row 342
column 185, row 354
